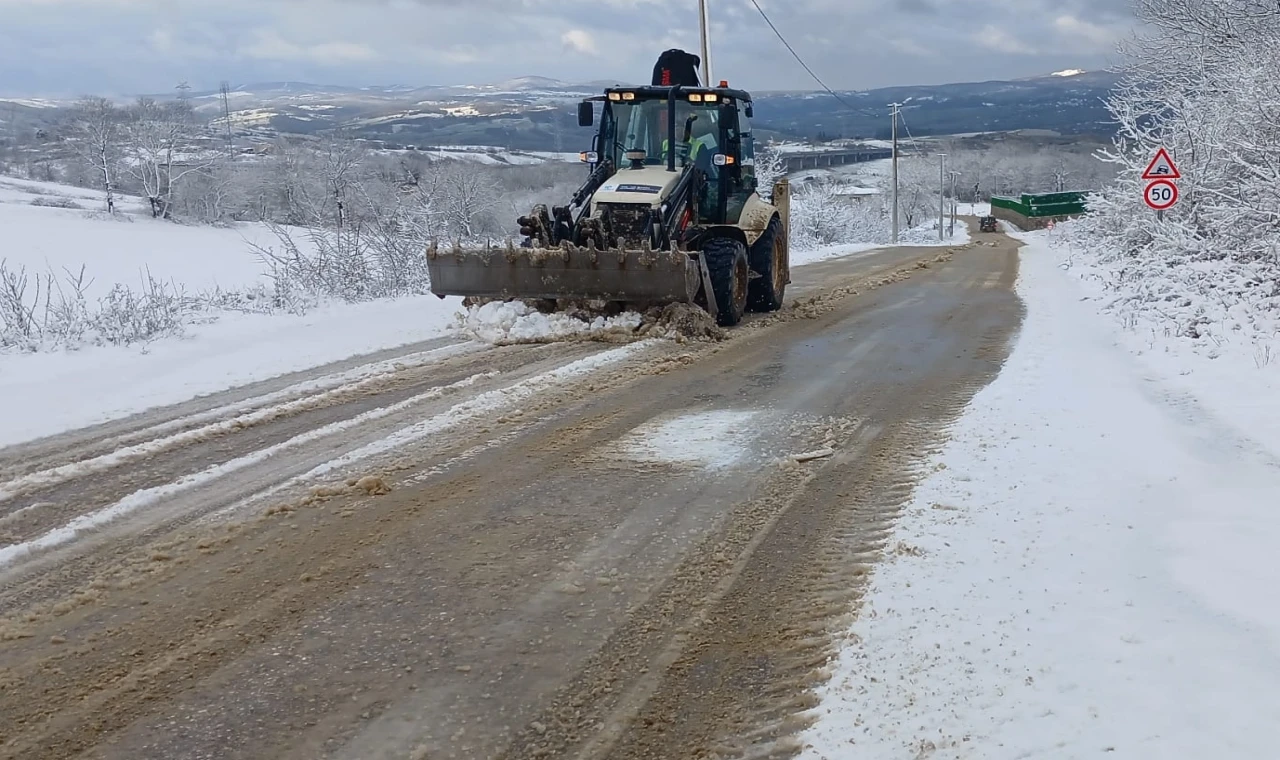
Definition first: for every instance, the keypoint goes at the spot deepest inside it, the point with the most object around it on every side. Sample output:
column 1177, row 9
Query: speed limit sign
column 1161, row 194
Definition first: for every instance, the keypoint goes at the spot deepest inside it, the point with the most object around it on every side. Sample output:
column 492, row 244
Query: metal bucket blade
column 564, row 273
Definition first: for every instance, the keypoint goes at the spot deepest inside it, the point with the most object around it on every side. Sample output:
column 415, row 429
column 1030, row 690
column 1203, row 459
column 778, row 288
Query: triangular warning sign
column 1162, row 167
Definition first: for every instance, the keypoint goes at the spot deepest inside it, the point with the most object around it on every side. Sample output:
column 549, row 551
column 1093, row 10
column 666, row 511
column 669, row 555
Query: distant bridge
column 817, row 159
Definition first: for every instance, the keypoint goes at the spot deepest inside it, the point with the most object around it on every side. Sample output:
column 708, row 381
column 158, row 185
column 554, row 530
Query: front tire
column 730, row 273
column 769, row 260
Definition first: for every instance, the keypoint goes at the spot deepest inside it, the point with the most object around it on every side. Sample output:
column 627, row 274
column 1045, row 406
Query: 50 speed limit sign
column 1161, row 194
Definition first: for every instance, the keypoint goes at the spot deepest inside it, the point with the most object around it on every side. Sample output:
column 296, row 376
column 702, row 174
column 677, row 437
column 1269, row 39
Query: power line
column 910, row 138
column 816, row 78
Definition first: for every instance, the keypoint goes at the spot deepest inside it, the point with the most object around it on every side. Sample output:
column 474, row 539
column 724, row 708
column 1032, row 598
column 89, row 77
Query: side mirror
column 750, row 111
column 586, row 114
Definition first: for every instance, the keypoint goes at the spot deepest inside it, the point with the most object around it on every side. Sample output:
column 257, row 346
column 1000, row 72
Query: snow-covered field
column 1087, row 571
column 47, row 238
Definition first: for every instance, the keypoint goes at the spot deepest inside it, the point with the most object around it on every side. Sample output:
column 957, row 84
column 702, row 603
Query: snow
column 31, row 102
column 310, row 395
column 1069, row 73
column 1238, row 348
column 713, row 439
column 925, row 236
column 42, row 394
column 487, row 403
column 824, row 253
column 516, row 322
column 1087, row 568
column 43, row 238
column 150, row 496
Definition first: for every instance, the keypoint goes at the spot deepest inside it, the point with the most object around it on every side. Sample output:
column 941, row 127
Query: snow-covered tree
column 160, row 140
column 95, row 135
column 917, row 190
column 1203, row 81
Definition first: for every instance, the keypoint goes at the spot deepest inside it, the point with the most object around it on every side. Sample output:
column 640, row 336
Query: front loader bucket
column 567, row 272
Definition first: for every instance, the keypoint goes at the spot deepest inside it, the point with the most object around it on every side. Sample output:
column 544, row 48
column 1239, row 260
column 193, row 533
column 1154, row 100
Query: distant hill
column 1068, row 102
column 537, row 113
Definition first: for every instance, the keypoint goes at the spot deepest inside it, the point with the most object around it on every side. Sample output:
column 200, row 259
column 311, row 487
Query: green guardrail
column 1010, row 204
column 1044, row 204
column 1048, row 199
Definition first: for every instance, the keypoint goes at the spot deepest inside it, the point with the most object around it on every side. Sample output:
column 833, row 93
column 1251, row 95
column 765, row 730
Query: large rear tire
column 768, row 259
column 730, row 272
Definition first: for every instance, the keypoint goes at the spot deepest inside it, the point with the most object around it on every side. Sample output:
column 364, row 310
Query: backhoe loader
column 670, row 212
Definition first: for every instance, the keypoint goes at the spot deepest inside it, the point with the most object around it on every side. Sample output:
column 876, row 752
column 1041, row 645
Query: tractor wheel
column 727, row 264
column 769, row 260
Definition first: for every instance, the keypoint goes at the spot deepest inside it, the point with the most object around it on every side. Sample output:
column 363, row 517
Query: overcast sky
column 123, row 47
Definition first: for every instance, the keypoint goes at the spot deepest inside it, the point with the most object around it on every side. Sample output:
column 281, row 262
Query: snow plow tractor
column 669, row 214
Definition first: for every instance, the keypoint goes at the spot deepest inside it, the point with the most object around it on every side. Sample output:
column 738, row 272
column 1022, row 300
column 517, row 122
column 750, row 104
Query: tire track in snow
column 63, row 448
column 485, row 403
column 339, row 385
column 148, row 496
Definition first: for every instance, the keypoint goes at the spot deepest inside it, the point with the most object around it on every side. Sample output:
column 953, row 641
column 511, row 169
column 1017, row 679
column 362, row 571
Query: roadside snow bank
column 1217, row 343
column 925, row 236
column 1094, row 570
column 47, row 393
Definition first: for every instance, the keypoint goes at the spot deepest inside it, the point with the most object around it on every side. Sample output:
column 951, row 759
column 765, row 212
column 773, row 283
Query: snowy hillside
column 211, row 346
column 50, row 227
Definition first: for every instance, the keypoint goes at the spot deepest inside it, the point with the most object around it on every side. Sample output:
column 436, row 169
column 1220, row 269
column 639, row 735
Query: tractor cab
column 651, row 135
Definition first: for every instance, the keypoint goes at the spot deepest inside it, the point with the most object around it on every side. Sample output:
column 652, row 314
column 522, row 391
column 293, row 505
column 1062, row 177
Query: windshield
column 642, row 125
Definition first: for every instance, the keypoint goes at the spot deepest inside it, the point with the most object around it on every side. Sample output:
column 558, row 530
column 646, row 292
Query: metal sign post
column 1161, row 192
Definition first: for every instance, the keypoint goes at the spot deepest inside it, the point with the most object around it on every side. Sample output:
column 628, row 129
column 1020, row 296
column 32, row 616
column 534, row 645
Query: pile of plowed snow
column 514, row 322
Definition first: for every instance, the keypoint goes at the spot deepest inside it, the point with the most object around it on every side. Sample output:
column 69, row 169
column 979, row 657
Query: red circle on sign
column 1161, row 194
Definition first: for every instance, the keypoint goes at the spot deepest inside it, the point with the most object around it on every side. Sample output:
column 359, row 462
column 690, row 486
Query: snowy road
column 458, row 551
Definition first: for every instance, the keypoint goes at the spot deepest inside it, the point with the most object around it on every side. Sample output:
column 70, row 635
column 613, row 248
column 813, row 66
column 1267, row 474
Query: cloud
column 579, row 41
column 1098, row 36
column 998, row 39
column 269, row 45
column 53, row 47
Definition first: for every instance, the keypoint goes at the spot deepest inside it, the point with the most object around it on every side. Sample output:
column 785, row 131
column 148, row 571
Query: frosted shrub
column 43, row 311
column 126, row 316
column 821, row 217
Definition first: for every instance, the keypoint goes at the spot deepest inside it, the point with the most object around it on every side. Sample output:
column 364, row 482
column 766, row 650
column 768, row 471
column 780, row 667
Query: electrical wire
column 910, row 138
column 800, row 60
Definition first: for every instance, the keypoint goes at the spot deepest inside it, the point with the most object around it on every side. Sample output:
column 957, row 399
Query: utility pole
column 225, row 88
column 955, row 203
column 704, row 19
column 942, row 193
column 895, row 107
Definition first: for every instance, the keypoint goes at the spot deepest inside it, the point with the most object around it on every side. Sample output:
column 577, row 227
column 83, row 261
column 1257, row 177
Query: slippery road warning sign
column 1161, row 194
column 1162, row 167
